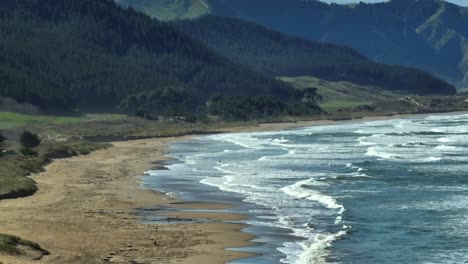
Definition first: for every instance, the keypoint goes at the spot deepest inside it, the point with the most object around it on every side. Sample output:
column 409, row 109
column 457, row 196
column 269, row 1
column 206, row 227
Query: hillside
column 59, row 55
column 170, row 9
column 427, row 34
column 279, row 54
column 342, row 94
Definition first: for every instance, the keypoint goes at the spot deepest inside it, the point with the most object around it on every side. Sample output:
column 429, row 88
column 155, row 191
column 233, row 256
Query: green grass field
column 13, row 120
column 13, row 180
column 338, row 95
column 342, row 104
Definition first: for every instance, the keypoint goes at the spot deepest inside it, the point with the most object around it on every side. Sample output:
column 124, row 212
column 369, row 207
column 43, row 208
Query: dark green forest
column 91, row 54
column 278, row 54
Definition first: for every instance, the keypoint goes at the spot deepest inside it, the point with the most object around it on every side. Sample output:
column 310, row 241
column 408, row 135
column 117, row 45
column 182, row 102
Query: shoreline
column 264, row 127
column 84, row 211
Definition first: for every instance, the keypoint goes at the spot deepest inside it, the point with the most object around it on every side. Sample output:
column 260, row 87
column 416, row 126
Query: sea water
column 389, row 191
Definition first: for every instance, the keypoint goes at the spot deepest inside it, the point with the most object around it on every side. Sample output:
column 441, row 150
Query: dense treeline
column 255, row 107
column 166, row 101
column 282, row 55
column 91, row 54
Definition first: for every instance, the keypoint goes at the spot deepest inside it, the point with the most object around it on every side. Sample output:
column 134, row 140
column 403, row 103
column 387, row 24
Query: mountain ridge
column 427, row 34
column 279, row 54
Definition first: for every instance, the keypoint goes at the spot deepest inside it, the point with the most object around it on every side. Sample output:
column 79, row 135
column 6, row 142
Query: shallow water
column 391, row 191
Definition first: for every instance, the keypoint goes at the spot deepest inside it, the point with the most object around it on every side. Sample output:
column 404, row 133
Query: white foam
column 364, row 142
column 317, row 252
column 313, row 251
column 448, row 148
column 375, row 152
column 244, row 140
column 298, row 191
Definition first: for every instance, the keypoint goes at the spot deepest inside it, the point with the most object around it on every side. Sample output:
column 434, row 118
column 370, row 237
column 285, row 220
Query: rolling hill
column 337, row 95
column 427, row 34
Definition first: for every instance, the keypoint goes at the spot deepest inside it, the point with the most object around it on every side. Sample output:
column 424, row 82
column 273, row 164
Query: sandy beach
column 84, row 211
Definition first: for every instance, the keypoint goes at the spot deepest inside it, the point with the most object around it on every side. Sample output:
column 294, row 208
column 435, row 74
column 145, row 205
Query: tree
column 29, row 141
column 2, row 143
column 308, row 96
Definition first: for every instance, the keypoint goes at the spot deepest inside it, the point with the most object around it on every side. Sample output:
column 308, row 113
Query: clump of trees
column 245, row 108
column 29, row 141
column 166, row 101
column 2, row 143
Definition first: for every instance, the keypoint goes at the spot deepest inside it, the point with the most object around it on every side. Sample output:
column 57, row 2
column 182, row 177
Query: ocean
column 387, row 191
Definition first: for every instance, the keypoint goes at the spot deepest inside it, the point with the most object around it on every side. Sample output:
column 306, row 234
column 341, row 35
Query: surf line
column 206, row 5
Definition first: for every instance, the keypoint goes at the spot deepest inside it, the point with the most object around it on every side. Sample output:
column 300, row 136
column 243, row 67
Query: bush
column 2, row 144
column 29, row 141
column 28, row 151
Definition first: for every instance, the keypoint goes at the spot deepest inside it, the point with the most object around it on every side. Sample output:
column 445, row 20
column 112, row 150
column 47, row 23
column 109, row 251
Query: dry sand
column 82, row 213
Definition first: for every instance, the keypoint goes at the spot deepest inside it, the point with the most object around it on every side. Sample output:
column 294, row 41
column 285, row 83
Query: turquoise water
column 391, row 191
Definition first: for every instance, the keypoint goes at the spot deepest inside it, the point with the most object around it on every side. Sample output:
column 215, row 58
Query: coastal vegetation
column 246, row 108
column 13, row 245
column 29, row 142
column 2, row 143
column 15, row 168
column 12, row 119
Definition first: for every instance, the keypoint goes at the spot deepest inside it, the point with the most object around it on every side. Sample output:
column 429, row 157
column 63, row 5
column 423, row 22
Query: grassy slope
column 16, row 246
column 15, row 168
column 11, row 120
column 169, row 9
column 172, row 9
column 341, row 94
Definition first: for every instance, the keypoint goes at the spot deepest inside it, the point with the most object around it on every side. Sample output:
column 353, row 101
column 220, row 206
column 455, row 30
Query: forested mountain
column 93, row 54
column 281, row 55
column 427, row 34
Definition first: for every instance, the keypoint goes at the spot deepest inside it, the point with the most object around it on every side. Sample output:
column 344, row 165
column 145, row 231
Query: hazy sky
column 458, row 2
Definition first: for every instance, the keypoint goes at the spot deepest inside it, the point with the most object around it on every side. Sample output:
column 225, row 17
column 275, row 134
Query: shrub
column 29, row 141
column 2, row 144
